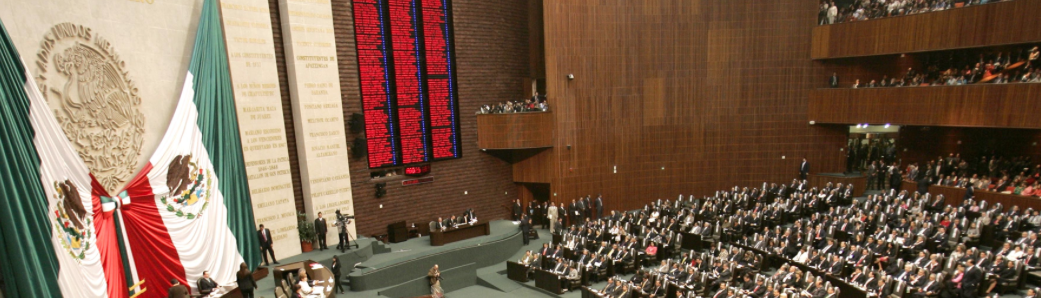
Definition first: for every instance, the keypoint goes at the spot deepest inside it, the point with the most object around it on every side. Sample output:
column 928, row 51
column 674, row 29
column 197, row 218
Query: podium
column 397, row 232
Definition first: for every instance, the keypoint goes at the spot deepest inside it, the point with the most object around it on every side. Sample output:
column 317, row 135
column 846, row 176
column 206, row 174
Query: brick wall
column 492, row 59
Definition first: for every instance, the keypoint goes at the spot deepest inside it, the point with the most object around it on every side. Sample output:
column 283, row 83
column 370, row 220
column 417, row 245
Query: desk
column 590, row 293
column 258, row 274
column 321, row 276
column 692, row 241
column 480, row 228
column 516, row 271
column 548, row 281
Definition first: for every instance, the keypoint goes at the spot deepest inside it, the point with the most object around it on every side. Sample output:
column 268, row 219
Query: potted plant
column 307, row 233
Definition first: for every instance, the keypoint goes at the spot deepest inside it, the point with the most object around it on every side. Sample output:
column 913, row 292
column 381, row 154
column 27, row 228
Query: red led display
column 440, row 79
column 417, row 170
column 407, row 77
column 377, row 94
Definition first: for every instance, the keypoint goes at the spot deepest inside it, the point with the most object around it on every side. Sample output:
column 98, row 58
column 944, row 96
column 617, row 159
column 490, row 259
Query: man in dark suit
column 177, row 290
column 581, row 210
column 517, row 210
column 265, row 245
column 599, row 207
column 320, row 230
column 525, row 226
column 804, row 169
column 971, row 280
column 438, row 224
column 206, row 284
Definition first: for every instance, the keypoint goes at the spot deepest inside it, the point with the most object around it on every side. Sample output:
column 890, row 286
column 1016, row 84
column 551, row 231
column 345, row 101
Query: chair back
column 279, row 293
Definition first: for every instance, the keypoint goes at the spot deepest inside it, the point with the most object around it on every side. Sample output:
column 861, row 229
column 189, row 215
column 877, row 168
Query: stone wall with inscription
column 254, row 76
column 314, row 83
column 136, row 52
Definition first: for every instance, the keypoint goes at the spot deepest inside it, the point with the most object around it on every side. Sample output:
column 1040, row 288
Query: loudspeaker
column 357, row 123
column 381, row 189
column 359, row 149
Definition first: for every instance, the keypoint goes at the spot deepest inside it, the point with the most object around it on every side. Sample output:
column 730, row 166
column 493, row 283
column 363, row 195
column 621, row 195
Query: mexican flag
column 186, row 212
column 58, row 237
column 189, row 209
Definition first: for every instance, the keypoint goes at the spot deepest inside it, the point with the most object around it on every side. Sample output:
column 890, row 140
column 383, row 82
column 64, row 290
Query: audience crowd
column 989, row 68
column 1011, row 176
column 860, row 10
column 536, row 103
column 823, row 242
column 996, row 68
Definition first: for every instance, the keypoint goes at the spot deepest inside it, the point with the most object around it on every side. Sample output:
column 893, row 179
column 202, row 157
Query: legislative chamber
column 520, row 148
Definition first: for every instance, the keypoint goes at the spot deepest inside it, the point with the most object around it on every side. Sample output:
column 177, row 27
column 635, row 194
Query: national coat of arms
column 71, row 222
column 189, row 187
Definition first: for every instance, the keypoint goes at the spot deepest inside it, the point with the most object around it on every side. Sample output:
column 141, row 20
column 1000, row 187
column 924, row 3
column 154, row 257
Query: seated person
column 652, row 250
column 206, row 284
column 307, row 289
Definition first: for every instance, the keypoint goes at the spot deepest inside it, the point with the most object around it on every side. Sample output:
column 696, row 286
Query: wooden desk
column 590, row 293
column 258, row 274
column 548, row 281
column 516, row 271
column 480, row 228
column 321, row 276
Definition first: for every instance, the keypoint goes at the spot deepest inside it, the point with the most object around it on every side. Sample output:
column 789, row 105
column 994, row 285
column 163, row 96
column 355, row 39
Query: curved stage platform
column 402, row 271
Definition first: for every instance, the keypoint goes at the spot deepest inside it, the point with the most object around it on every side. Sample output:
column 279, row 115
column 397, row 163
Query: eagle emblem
column 189, row 187
column 71, row 223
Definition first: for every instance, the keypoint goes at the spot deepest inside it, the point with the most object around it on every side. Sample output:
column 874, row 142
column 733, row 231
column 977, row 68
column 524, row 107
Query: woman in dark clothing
column 336, row 274
column 244, row 278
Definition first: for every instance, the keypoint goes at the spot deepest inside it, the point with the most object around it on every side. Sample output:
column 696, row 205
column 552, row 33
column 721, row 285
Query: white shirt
column 1014, row 255
column 801, row 257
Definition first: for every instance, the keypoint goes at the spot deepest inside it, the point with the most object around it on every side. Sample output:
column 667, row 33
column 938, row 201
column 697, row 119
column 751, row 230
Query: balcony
column 515, row 131
column 1001, row 23
column 987, row 105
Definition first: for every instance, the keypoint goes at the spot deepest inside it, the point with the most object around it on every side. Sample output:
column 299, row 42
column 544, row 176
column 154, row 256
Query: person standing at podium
column 320, row 229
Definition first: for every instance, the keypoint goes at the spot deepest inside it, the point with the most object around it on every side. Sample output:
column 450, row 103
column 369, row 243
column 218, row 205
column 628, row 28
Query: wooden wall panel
column 515, row 131
column 992, row 105
column 975, row 26
column 538, row 168
column 681, row 97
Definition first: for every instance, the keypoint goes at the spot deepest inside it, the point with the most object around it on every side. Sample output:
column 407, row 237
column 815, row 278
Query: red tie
column 263, row 234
